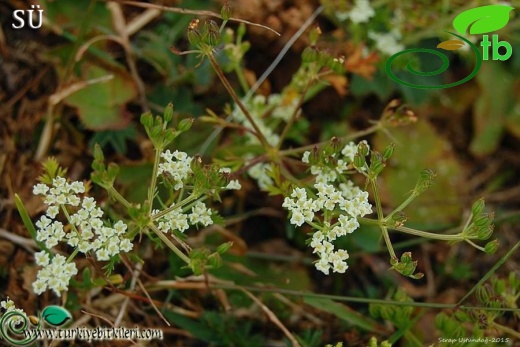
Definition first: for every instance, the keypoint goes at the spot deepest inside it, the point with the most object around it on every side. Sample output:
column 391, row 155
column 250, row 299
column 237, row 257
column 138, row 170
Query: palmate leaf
column 101, row 106
column 483, row 19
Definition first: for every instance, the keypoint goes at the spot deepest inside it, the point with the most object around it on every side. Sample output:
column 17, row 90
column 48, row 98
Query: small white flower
column 340, row 266
column 234, row 185
column 305, row 157
column 41, row 258
column 386, row 43
column 361, row 12
column 77, row 187
column 297, row 218
column 323, row 266
column 40, row 189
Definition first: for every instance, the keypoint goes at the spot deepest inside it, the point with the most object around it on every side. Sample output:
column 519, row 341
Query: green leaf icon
column 483, row 19
column 56, row 315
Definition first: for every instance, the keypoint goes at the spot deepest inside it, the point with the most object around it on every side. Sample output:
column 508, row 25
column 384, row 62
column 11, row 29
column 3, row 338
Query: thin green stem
column 381, row 219
column 66, row 213
column 506, row 329
column 353, row 136
column 237, row 100
column 168, row 243
column 432, row 305
column 475, row 245
column 116, row 195
column 388, row 242
column 151, row 192
column 403, row 205
column 73, row 255
column 444, row 237
column 241, row 78
column 294, row 115
column 490, row 272
column 377, row 199
column 369, row 221
column 164, row 212
column 76, row 250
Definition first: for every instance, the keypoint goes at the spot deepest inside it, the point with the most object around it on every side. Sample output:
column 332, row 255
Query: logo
column 18, row 329
column 16, row 323
column 19, row 16
column 479, row 21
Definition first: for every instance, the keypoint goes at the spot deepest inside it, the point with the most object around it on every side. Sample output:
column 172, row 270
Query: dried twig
column 28, row 244
column 126, row 301
column 195, row 12
column 272, row 317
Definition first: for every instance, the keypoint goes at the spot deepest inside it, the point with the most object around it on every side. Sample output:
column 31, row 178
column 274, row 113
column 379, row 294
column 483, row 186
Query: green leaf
column 101, row 106
column 483, row 19
column 419, row 147
column 28, row 223
column 56, row 315
column 345, row 313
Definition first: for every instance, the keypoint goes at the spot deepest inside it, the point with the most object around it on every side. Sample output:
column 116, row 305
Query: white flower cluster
column 325, row 173
column 178, row 169
column 9, row 306
column 284, row 106
column 55, row 274
column 360, row 13
column 259, row 173
column 387, row 43
column 88, row 233
column 177, row 220
column 347, row 203
column 256, row 106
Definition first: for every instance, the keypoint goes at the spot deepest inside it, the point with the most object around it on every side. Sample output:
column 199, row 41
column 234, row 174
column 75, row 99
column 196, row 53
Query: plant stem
column 475, row 245
column 294, row 114
column 381, row 219
column 168, row 243
column 403, row 205
column 241, row 78
column 355, row 135
column 116, row 195
column 377, row 198
column 237, row 100
column 164, row 212
column 151, row 192
column 506, row 329
column 453, row 237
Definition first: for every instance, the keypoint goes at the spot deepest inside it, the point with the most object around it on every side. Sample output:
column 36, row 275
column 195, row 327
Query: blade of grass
column 345, row 313
column 28, row 222
column 491, row 271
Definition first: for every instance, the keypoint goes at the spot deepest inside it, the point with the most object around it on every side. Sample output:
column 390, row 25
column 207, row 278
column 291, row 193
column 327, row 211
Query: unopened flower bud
column 194, row 36
column 314, row 34
column 225, row 11
column 389, row 150
column 168, row 112
column 211, row 33
column 363, row 148
column 478, row 207
column 485, row 232
column 425, row 180
column 359, row 161
column 310, row 54
column 491, row 247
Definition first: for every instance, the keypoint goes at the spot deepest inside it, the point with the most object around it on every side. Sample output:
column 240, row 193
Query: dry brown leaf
column 339, row 83
column 360, row 64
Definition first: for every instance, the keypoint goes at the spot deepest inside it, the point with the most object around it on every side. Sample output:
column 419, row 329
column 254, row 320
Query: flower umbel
column 86, row 232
